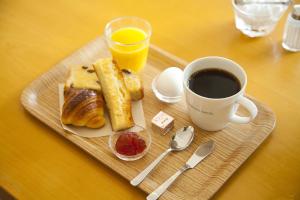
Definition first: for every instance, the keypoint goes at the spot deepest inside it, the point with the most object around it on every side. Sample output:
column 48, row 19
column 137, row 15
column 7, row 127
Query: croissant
column 83, row 107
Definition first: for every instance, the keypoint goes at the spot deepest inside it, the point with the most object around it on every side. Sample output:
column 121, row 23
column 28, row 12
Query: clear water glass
column 256, row 18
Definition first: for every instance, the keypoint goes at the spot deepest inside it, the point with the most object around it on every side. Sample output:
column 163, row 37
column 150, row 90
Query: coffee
column 214, row 83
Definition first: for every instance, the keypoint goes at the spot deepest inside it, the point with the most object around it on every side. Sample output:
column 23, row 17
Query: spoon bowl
column 182, row 138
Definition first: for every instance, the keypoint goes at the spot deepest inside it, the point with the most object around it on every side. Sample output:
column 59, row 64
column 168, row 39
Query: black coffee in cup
column 214, row 83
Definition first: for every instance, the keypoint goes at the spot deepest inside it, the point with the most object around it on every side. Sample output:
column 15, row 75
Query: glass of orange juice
column 128, row 39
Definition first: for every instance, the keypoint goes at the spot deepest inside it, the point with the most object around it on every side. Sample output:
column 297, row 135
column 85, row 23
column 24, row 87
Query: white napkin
column 137, row 114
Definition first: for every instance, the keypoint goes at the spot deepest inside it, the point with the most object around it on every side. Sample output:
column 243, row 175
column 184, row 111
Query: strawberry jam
column 130, row 144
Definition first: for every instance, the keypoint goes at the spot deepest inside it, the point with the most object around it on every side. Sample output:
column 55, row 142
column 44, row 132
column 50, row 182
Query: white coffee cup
column 214, row 114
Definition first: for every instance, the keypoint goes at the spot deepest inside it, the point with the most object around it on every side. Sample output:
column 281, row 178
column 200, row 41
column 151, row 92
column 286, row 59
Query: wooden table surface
column 37, row 163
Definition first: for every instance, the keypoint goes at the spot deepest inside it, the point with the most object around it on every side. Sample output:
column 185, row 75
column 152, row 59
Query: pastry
column 115, row 93
column 133, row 84
column 83, row 107
column 83, row 100
column 83, row 77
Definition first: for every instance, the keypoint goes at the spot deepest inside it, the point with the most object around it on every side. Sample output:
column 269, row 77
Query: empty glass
column 257, row 18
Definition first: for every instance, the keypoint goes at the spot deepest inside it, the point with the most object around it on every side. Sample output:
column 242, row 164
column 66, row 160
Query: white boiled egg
column 169, row 82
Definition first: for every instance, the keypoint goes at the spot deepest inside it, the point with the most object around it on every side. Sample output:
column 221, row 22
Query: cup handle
column 250, row 106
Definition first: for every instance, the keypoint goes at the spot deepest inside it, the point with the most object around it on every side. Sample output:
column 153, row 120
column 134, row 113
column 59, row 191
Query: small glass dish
column 161, row 97
column 143, row 135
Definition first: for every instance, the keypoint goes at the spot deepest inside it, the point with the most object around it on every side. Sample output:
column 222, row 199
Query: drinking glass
column 128, row 39
column 256, row 18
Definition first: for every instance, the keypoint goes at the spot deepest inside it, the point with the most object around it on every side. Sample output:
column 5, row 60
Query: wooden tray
column 234, row 144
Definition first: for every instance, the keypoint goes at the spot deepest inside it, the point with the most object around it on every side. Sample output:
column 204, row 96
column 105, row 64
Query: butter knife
column 202, row 152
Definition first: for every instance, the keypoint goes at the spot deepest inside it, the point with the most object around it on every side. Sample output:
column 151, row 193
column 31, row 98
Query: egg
column 169, row 82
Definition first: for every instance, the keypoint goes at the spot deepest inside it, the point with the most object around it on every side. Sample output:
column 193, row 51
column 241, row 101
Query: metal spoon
column 180, row 141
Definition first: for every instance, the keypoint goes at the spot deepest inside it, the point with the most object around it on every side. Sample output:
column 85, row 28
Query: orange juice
column 129, row 48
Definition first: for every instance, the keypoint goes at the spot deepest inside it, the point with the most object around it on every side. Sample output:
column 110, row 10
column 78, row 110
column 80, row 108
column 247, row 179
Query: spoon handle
column 141, row 176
